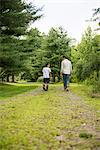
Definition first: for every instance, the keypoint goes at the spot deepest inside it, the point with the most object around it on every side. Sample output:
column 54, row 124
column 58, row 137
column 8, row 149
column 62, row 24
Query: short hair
column 66, row 57
column 47, row 64
column 63, row 56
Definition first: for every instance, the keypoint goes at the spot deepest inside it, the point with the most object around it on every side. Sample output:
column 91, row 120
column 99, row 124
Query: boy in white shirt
column 66, row 70
column 46, row 75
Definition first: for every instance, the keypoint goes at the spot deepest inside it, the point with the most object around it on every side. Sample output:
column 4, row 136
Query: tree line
column 23, row 52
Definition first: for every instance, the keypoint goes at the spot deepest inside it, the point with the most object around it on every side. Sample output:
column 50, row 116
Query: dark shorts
column 46, row 80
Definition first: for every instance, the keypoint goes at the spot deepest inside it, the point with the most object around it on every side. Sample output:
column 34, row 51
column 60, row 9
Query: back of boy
column 46, row 76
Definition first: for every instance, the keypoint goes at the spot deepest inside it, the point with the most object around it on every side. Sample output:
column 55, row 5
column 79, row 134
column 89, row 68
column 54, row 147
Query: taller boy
column 66, row 70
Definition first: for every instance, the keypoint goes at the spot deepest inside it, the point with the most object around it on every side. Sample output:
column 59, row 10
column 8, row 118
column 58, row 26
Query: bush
column 73, row 78
column 40, row 79
column 93, row 82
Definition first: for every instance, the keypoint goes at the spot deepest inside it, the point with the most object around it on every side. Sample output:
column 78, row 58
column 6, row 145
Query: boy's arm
column 50, row 74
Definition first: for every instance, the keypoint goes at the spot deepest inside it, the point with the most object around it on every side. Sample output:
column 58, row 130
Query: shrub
column 40, row 79
column 94, row 83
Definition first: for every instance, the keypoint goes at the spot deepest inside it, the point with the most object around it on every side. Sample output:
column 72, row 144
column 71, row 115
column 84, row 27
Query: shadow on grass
column 10, row 90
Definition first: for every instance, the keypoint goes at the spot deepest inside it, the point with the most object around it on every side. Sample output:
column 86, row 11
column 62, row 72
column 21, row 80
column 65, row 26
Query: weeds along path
column 53, row 120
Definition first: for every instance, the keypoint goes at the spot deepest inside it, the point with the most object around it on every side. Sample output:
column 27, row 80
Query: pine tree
column 15, row 18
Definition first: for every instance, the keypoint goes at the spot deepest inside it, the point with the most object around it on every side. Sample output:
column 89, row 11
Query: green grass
column 85, row 135
column 84, row 91
column 31, row 123
column 45, row 121
column 13, row 89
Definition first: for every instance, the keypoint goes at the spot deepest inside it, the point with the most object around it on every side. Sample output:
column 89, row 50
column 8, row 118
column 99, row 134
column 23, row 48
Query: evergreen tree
column 56, row 45
column 87, row 65
column 15, row 18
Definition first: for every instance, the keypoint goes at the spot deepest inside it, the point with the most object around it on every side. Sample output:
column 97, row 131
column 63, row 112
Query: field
column 31, row 119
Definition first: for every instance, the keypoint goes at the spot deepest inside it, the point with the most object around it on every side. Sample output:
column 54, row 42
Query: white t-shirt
column 46, row 72
column 66, row 66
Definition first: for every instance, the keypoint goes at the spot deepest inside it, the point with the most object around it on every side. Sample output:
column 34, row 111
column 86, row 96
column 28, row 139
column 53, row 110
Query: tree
column 48, row 49
column 87, row 66
column 15, row 18
column 33, row 43
column 56, row 45
column 96, row 17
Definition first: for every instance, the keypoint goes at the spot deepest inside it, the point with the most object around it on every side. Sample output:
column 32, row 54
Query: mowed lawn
column 53, row 120
column 13, row 89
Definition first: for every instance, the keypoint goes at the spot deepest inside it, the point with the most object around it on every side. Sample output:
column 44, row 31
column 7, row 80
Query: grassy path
column 53, row 120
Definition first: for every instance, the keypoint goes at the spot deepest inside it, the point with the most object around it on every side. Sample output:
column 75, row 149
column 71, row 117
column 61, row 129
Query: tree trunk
column 13, row 78
column 2, row 79
column 8, row 78
column 59, row 64
column 98, row 73
column 59, row 76
column 53, row 77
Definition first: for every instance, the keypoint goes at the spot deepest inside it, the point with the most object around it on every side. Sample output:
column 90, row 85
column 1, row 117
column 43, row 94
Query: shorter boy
column 46, row 76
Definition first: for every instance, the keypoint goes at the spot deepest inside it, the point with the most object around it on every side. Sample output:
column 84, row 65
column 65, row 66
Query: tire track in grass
column 86, row 116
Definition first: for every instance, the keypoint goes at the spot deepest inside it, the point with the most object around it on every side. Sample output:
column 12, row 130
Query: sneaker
column 67, row 89
column 44, row 87
column 47, row 87
column 64, row 88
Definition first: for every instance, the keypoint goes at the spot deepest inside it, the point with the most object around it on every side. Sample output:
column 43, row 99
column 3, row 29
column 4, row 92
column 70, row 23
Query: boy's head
column 65, row 57
column 47, row 65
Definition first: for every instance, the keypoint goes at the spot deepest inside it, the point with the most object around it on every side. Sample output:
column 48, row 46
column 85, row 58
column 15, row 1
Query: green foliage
column 47, row 49
column 26, row 52
column 57, row 44
column 15, row 17
column 86, row 58
column 40, row 79
column 94, row 83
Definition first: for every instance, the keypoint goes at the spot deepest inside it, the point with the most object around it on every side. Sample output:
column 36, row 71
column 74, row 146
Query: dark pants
column 46, row 80
column 66, row 80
